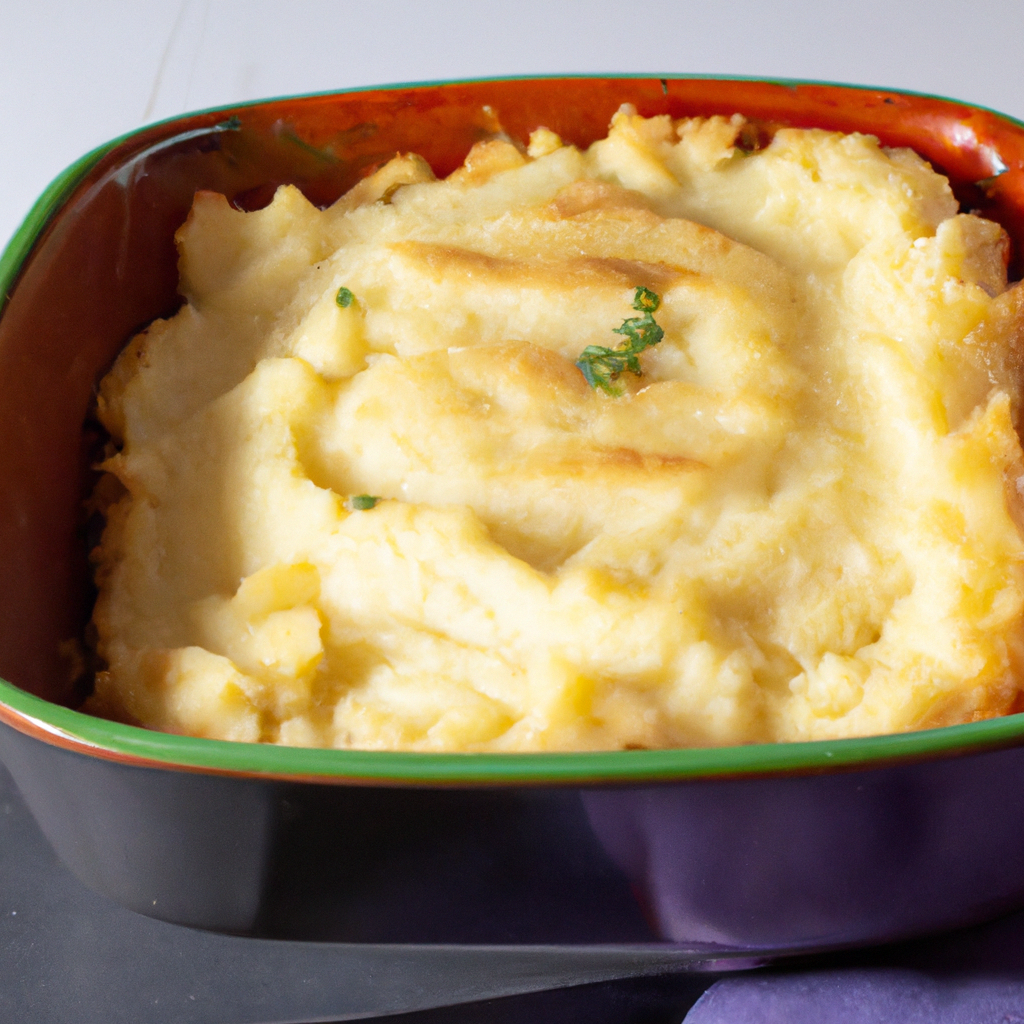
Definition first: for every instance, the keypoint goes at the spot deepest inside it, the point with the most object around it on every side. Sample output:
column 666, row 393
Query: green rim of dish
column 613, row 766
column 499, row 769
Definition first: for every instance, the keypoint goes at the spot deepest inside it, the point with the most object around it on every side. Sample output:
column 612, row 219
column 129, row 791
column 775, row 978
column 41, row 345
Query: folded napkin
column 970, row 977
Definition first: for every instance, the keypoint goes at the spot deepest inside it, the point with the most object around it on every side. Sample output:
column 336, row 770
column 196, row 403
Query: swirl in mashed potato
column 800, row 522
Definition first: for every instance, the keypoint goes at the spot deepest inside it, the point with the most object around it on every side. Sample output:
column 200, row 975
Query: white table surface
column 75, row 74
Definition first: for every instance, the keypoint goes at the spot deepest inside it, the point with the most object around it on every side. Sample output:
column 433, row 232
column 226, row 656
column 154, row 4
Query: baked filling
column 373, row 492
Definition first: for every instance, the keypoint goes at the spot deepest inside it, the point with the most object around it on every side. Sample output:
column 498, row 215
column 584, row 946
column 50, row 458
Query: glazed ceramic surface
column 767, row 846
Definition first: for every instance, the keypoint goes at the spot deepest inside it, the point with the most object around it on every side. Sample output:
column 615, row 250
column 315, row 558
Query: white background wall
column 74, row 74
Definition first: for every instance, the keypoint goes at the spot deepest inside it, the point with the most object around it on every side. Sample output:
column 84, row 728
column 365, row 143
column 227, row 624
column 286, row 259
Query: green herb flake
column 345, row 298
column 601, row 366
column 645, row 300
column 362, row 502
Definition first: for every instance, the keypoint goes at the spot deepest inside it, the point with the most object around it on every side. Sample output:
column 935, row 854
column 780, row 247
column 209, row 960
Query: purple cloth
column 883, row 995
column 970, row 977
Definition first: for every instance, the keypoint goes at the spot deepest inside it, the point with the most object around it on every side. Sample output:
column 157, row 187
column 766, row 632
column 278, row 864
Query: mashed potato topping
column 369, row 500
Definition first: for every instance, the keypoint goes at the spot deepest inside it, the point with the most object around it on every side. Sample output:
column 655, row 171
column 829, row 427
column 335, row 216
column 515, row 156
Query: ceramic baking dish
column 770, row 846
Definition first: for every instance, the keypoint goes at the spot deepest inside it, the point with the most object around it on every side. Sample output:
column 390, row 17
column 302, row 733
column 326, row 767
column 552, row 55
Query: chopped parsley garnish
column 602, row 366
column 362, row 502
column 345, row 298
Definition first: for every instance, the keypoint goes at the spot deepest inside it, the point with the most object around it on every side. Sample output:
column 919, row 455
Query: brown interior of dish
column 106, row 265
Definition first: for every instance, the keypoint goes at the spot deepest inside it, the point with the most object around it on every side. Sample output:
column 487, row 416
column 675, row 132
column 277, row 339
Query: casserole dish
column 773, row 847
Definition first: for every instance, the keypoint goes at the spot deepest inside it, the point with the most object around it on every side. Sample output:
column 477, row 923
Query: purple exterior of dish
column 343, row 863
column 853, row 857
column 775, row 863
